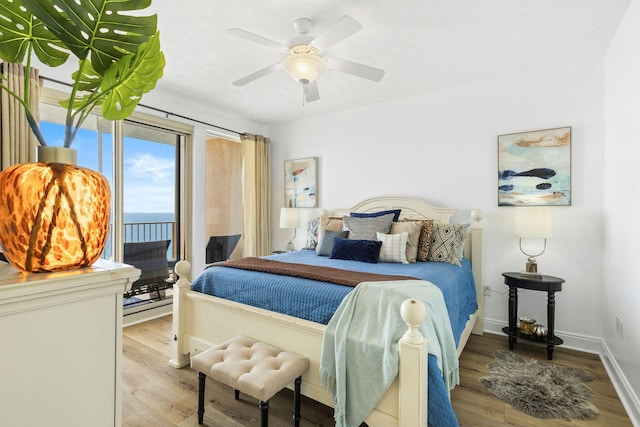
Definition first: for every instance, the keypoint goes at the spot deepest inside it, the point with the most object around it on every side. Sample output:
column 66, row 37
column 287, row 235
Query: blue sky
column 149, row 167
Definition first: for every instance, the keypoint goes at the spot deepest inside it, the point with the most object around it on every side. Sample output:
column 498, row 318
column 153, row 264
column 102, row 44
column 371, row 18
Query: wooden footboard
column 201, row 321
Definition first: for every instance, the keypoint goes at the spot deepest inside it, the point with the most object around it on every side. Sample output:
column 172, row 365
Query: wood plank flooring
column 155, row 394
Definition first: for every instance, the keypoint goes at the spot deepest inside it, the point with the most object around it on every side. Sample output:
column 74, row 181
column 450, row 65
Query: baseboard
column 625, row 392
column 147, row 312
column 597, row 346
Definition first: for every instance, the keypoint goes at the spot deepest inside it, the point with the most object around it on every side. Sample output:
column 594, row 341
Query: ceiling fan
column 305, row 59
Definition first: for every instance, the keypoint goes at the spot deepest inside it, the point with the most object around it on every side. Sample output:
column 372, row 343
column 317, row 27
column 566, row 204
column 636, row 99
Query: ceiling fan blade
column 256, row 38
column 340, row 30
column 311, row 92
column 356, row 69
column 260, row 73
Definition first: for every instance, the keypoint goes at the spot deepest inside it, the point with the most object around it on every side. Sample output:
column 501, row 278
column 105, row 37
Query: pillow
column 395, row 212
column 464, row 232
column 424, row 243
column 356, row 250
column 447, row 242
column 366, row 228
column 413, row 230
column 394, row 247
column 329, row 223
column 312, row 233
column 326, row 242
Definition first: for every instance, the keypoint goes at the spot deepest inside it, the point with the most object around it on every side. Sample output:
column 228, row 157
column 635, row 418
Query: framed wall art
column 300, row 183
column 534, row 168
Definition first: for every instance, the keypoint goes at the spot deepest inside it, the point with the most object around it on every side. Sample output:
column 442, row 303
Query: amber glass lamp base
column 53, row 216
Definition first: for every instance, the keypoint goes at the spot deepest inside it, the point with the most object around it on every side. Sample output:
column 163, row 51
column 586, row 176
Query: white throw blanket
column 360, row 345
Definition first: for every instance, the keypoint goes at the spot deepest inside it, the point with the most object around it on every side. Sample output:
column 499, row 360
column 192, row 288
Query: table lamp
column 533, row 223
column 290, row 218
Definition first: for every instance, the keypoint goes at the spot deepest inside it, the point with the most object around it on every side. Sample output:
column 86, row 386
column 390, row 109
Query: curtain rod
column 167, row 113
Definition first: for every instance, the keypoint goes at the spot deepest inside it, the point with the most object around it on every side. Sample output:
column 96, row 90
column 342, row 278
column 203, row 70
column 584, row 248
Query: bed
column 197, row 324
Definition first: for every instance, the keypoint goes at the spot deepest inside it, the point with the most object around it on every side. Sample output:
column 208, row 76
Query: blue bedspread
column 317, row 301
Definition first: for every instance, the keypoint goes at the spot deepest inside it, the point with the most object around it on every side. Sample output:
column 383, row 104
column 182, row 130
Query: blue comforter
column 317, row 301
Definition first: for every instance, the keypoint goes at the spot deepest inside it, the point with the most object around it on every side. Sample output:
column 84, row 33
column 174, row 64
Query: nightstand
column 549, row 284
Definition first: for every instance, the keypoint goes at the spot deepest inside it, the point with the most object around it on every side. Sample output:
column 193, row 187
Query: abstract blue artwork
column 534, row 168
column 300, row 183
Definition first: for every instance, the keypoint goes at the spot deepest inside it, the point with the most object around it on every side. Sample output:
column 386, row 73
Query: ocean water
column 147, row 232
column 148, row 216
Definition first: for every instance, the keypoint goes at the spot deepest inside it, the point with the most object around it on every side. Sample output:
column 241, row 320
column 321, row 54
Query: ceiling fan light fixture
column 304, row 64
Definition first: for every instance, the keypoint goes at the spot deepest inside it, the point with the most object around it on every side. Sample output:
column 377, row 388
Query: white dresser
column 61, row 346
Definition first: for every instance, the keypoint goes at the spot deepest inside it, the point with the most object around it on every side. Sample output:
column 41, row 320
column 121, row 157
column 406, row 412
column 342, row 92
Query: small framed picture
column 534, row 168
column 300, row 183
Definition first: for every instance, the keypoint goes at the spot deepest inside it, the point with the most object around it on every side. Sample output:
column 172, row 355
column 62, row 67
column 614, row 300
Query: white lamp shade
column 289, row 218
column 304, row 67
column 533, row 222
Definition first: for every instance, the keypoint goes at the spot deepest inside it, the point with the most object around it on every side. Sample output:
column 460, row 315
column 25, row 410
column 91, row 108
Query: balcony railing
column 150, row 231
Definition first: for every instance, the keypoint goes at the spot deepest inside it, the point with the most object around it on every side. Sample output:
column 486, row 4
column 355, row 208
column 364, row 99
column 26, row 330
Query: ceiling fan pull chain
column 304, row 95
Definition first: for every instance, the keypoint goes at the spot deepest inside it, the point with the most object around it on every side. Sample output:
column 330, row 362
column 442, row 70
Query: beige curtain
column 256, row 194
column 17, row 141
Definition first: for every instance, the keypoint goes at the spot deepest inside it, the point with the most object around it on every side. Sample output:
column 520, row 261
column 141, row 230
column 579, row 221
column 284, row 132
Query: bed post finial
column 413, row 312
column 183, row 269
column 476, row 216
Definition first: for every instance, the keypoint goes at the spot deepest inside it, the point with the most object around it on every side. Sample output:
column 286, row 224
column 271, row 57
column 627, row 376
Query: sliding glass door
column 150, row 178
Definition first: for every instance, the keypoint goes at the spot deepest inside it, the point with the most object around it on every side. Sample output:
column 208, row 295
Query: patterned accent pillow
column 312, row 233
column 413, row 229
column 366, row 228
column 329, row 223
column 424, row 243
column 447, row 242
column 394, row 247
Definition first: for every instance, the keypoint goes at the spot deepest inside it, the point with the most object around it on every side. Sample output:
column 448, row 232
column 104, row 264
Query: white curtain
column 17, row 141
column 256, row 195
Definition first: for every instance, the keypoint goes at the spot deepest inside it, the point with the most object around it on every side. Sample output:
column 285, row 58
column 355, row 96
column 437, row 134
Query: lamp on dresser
column 290, row 218
column 533, row 223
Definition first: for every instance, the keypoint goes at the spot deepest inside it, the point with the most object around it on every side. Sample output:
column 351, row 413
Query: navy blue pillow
column 395, row 212
column 356, row 250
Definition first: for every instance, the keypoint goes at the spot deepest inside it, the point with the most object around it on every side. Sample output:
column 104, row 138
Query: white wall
column 442, row 147
column 621, row 203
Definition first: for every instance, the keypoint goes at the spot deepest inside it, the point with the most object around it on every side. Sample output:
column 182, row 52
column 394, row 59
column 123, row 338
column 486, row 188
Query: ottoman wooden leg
column 296, row 402
column 201, row 378
column 264, row 413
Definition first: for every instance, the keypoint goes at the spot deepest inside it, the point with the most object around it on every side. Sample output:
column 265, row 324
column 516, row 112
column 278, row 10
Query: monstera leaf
column 97, row 29
column 124, row 82
column 119, row 56
column 20, row 30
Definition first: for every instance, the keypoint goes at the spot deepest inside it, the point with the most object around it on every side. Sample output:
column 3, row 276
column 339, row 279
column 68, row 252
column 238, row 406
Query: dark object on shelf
column 539, row 331
column 151, row 259
column 220, row 248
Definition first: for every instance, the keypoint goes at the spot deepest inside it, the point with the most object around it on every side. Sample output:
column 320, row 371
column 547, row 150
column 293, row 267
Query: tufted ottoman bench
column 251, row 367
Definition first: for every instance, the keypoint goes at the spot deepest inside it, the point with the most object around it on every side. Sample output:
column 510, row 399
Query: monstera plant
column 55, row 216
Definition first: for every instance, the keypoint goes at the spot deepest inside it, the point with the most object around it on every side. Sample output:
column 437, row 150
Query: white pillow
column 394, row 247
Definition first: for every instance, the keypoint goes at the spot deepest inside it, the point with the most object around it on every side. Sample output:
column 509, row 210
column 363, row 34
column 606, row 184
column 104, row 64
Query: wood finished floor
column 155, row 394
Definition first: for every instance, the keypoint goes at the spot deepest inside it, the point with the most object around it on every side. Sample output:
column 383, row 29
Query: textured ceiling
column 422, row 45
